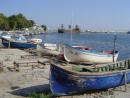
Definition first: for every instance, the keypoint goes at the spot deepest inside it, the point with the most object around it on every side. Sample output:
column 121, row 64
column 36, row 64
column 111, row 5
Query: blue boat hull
column 64, row 83
column 20, row 45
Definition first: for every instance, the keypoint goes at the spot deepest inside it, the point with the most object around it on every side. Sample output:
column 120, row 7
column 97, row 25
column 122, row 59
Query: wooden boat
column 54, row 49
column 72, row 54
column 50, row 49
column 18, row 44
column 70, row 79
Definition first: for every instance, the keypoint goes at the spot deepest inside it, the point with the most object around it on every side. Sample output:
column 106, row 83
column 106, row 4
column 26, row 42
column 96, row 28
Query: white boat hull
column 75, row 55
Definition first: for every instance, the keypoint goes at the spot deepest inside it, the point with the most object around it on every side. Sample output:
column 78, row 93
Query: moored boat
column 73, row 54
column 50, row 49
column 69, row 79
column 16, row 41
column 54, row 49
column 5, row 35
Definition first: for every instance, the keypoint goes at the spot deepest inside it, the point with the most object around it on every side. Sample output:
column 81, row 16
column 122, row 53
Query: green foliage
column 14, row 22
column 42, row 95
column 44, row 27
column 3, row 22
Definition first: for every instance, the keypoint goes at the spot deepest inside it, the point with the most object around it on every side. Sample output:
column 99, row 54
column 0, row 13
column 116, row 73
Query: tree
column 44, row 27
column 31, row 22
column 19, row 21
column 14, row 22
column 4, row 25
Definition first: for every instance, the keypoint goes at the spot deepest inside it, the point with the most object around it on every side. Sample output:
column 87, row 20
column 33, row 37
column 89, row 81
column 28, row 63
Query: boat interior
column 80, row 69
column 82, row 47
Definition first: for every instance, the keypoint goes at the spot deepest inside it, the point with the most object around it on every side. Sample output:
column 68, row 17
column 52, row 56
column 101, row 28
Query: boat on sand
column 50, row 49
column 88, row 55
column 67, row 79
column 17, row 41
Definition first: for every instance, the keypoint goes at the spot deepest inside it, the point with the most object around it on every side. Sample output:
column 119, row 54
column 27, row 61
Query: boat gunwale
column 72, row 72
column 89, row 52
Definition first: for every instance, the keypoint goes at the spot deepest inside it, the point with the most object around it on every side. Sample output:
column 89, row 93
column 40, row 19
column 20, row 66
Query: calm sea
column 93, row 40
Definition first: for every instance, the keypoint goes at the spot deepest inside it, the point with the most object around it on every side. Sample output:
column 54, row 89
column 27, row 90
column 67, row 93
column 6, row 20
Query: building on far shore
column 35, row 29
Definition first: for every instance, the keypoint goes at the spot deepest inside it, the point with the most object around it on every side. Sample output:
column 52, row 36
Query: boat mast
column 71, row 38
column 115, row 37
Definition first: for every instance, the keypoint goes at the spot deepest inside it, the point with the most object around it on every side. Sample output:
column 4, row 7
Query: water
column 93, row 40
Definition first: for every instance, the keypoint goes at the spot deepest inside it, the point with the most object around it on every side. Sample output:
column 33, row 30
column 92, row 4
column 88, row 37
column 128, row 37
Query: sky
column 95, row 15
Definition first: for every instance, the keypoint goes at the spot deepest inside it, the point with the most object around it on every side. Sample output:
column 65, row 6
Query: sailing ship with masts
column 76, row 29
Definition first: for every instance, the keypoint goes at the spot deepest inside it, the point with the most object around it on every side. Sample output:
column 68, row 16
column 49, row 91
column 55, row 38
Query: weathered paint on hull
column 64, row 83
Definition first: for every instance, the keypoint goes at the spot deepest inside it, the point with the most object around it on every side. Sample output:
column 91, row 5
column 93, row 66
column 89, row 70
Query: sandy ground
column 19, row 84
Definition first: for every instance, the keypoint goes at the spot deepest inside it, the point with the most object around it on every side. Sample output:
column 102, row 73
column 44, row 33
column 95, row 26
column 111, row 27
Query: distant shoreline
column 53, row 31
